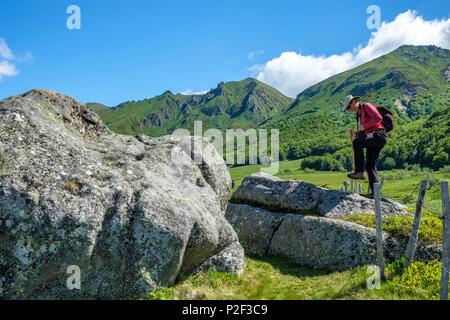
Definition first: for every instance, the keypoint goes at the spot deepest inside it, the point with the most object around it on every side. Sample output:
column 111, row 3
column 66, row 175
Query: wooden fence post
column 346, row 186
column 382, row 183
column 413, row 238
column 446, row 241
column 379, row 220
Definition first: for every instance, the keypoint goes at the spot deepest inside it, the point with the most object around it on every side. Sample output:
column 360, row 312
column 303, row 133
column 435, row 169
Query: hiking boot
column 357, row 176
column 368, row 196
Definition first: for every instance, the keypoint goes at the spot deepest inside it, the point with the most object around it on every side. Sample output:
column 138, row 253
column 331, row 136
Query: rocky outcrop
column 132, row 213
column 312, row 241
column 255, row 227
column 265, row 191
column 299, row 220
column 447, row 74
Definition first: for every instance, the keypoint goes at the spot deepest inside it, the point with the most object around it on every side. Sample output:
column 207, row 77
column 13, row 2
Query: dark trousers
column 373, row 145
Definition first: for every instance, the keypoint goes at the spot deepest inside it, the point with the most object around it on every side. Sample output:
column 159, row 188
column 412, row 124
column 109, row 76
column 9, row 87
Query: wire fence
column 417, row 240
column 433, row 187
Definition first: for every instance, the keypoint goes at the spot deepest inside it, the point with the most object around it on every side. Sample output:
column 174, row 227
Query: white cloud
column 5, row 51
column 7, row 67
column 26, row 57
column 190, row 92
column 254, row 54
column 293, row 72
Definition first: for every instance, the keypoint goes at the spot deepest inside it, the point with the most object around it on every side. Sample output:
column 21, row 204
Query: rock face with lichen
column 133, row 213
column 299, row 220
column 447, row 74
column 264, row 190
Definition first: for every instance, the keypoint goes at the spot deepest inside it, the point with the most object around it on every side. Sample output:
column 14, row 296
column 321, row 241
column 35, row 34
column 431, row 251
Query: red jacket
column 370, row 118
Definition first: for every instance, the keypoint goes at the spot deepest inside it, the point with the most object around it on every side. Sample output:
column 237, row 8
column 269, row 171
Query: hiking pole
column 352, row 181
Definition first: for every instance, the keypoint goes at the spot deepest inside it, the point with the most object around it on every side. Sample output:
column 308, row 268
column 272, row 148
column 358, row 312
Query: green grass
column 430, row 230
column 280, row 279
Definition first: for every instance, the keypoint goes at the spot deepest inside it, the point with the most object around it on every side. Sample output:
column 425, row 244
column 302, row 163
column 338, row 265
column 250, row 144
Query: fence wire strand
column 418, row 242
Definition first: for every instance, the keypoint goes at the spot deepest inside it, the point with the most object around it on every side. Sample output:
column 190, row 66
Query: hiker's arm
column 374, row 117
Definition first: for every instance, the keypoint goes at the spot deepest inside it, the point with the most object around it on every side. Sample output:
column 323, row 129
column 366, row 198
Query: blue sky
column 130, row 50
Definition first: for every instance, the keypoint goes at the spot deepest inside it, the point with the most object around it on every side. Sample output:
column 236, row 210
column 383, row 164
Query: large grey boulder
column 255, row 227
column 133, row 213
column 269, row 192
column 299, row 220
column 315, row 242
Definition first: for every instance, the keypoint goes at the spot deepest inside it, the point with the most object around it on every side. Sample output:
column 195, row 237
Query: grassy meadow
column 279, row 279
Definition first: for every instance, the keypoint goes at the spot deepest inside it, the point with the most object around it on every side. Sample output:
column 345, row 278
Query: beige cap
column 349, row 99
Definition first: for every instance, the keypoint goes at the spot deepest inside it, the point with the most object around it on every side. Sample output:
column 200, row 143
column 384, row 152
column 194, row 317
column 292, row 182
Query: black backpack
column 388, row 118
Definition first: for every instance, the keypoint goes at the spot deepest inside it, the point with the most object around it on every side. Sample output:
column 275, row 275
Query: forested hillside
column 411, row 81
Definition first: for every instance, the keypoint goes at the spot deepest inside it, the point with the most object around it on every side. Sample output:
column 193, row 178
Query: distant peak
column 166, row 94
column 408, row 47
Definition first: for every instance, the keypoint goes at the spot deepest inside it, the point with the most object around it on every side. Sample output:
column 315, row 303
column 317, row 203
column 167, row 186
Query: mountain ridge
column 235, row 104
column 411, row 81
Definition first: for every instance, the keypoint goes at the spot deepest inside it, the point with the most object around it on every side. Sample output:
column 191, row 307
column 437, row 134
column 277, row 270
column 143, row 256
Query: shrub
column 439, row 160
column 421, row 279
column 389, row 163
column 414, row 168
column 430, row 230
column 321, row 163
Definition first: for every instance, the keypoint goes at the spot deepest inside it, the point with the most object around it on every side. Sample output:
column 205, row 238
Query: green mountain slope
column 243, row 104
column 97, row 107
column 411, row 81
column 425, row 142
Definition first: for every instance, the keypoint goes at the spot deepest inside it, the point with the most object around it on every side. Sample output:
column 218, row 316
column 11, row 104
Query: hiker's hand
column 351, row 133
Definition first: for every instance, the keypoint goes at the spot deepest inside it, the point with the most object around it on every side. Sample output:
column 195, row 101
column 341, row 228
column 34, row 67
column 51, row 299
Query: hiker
column 372, row 136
